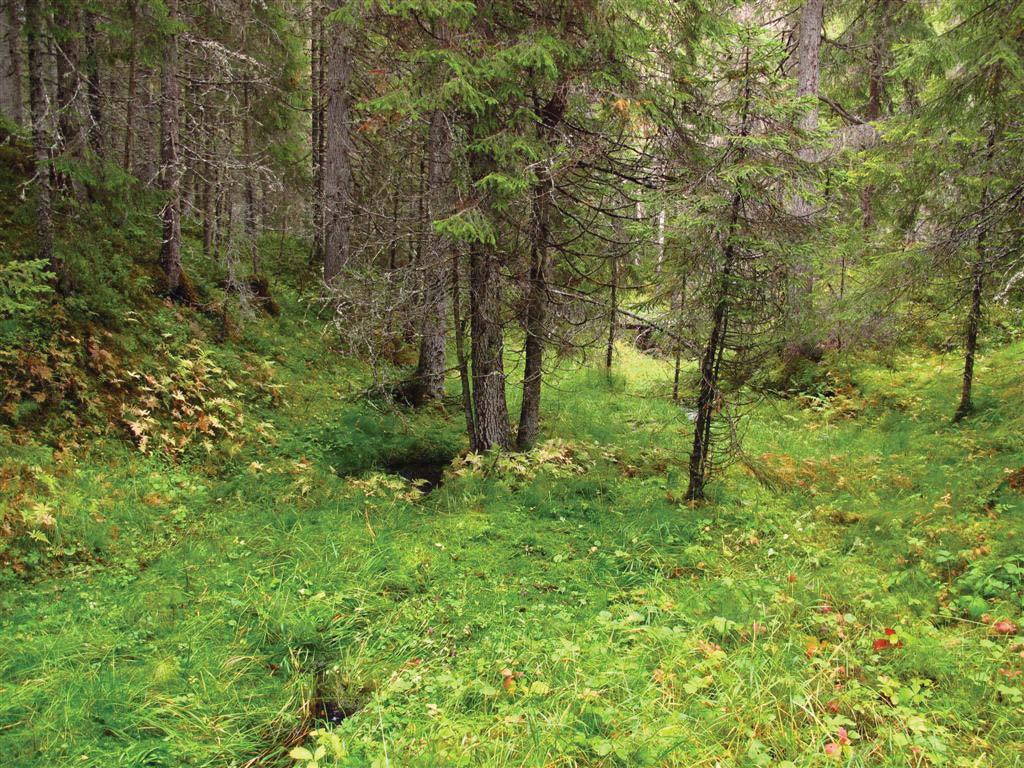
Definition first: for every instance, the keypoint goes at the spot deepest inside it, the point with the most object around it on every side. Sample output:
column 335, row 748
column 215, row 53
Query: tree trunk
column 711, row 361
column 321, row 90
column 10, row 64
column 536, row 311
column 338, row 152
column 973, row 323
column 612, row 312
column 432, row 364
column 207, row 198
column 249, row 185
column 70, row 128
column 660, row 242
column 679, row 301
column 97, row 132
column 487, row 336
column 808, row 57
column 170, row 172
column 218, row 213
column 490, row 409
column 459, row 324
column 129, row 118
column 41, row 138
column 807, row 79
column 710, row 367
column 537, row 301
column 316, row 124
column 876, row 90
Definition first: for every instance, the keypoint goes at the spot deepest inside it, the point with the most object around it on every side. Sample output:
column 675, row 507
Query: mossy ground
column 564, row 608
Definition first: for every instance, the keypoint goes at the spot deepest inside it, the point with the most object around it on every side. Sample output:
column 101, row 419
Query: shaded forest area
column 587, row 383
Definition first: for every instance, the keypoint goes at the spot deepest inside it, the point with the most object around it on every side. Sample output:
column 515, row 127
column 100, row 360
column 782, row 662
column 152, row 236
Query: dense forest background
column 706, row 315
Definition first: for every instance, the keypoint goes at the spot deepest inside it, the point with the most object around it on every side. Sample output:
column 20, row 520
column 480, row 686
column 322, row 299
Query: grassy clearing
column 564, row 608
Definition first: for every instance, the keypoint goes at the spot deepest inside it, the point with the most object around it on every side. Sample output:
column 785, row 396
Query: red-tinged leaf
column 881, row 644
column 1005, row 627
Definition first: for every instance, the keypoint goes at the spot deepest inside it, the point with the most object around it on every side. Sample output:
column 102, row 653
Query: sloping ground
column 564, row 608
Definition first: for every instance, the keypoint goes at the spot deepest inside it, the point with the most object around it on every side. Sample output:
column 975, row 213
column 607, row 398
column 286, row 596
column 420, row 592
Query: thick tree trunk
column 807, row 79
column 490, row 409
column 170, row 171
column 808, row 57
column 487, row 336
column 10, row 64
column 41, row 138
column 338, row 152
column 432, row 363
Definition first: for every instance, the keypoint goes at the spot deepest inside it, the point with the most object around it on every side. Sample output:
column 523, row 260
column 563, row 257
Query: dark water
column 427, row 475
column 334, row 712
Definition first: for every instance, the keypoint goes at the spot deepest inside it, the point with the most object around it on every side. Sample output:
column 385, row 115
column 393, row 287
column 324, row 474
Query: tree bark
column 710, row 366
column 11, row 105
column 551, row 115
column 70, row 127
column 978, row 269
column 708, row 398
column 316, row 125
column 807, row 80
column 41, row 139
column 612, row 312
column 536, row 312
column 432, row 363
column 876, row 91
column 338, row 152
column 97, row 132
column 208, row 193
column 249, row 185
column 170, row 171
column 971, row 340
column 490, row 409
column 487, row 336
column 459, row 324
column 129, row 118
column 679, row 302
column 808, row 57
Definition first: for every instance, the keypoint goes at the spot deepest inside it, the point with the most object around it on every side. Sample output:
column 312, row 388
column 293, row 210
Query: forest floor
column 214, row 592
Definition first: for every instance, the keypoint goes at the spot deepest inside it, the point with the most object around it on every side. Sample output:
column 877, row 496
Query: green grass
column 185, row 611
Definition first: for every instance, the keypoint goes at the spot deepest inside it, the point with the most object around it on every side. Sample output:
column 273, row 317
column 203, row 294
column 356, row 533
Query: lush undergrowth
column 205, row 581
column 202, row 565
